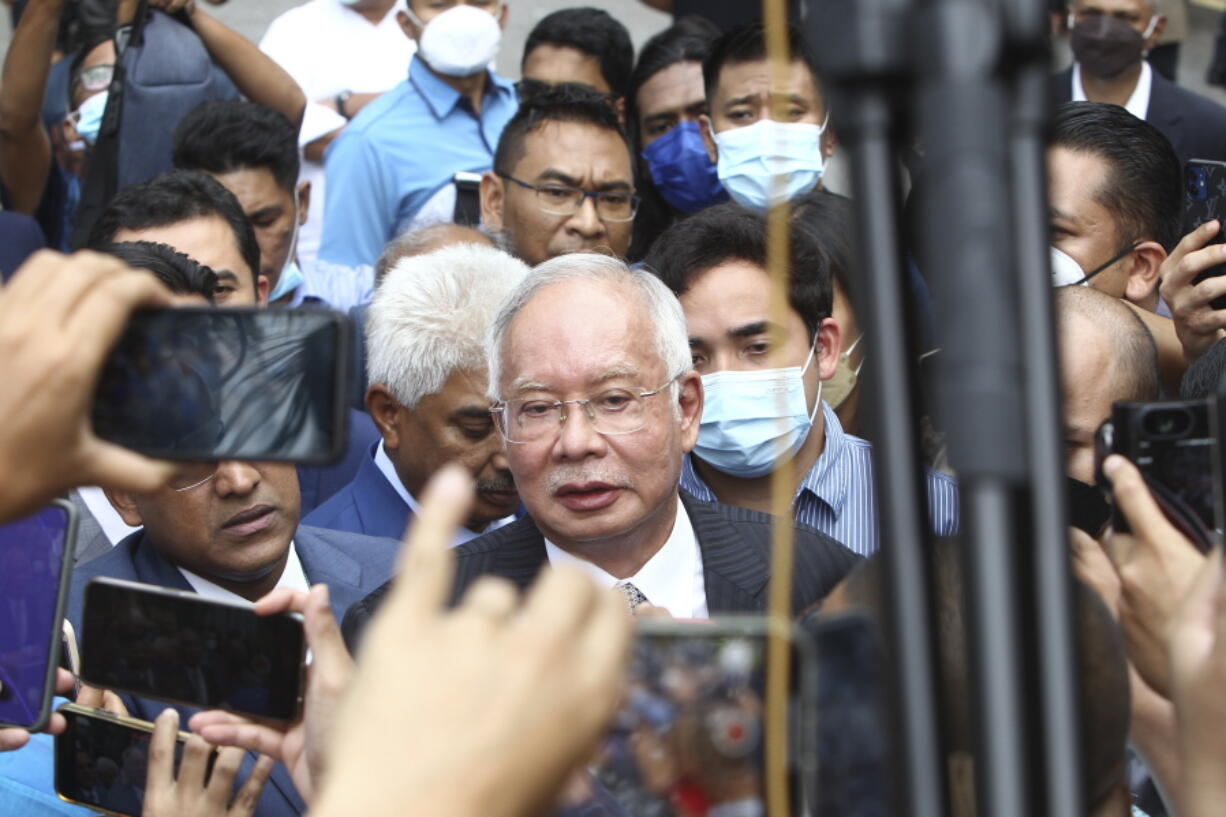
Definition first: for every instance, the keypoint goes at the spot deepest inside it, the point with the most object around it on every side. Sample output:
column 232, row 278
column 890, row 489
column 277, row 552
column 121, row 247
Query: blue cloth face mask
column 752, row 421
column 682, row 170
column 88, row 118
column 752, row 157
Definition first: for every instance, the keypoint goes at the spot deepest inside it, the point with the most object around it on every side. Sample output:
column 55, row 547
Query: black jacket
column 735, row 545
column 1195, row 126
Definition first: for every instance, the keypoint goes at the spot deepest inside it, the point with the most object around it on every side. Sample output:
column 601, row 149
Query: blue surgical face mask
column 291, row 273
column 89, row 117
column 682, row 170
column 752, row 421
column 752, row 157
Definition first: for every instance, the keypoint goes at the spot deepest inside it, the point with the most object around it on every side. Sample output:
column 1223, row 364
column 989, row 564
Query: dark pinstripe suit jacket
column 735, row 545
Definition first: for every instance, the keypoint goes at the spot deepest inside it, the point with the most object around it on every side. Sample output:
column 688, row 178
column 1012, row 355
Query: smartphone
column 101, row 759
column 1172, row 445
column 690, row 735
column 218, row 383
column 36, row 557
column 181, row 647
column 1204, row 199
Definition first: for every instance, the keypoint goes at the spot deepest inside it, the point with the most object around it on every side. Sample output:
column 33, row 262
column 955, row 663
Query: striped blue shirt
column 837, row 495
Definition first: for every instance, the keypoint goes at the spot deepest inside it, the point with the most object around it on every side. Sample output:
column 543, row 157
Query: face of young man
column 208, row 240
column 274, row 212
column 560, row 153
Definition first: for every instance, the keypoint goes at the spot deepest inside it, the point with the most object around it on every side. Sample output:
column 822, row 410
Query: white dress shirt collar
column 671, row 579
column 1137, row 104
column 384, row 463
column 292, row 577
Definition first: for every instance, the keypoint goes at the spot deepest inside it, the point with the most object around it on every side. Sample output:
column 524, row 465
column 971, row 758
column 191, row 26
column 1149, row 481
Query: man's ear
column 830, row 141
column 262, row 288
column 619, row 108
column 304, row 202
column 384, row 410
column 689, row 401
column 406, row 25
column 1159, row 29
column 1143, row 274
column 124, row 504
column 502, row 16
column 827, row 346
column 491, row 193
column 708, row 139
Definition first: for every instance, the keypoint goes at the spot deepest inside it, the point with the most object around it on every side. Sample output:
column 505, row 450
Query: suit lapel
column 151, row 568
column 734, row 573
column 523, row 555
column 381, row 509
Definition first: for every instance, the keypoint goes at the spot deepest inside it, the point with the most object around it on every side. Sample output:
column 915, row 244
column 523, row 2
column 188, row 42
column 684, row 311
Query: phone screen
column 35, row 562
column 184, row 648
column 1204, row 199
column 689, row 738
column 102, row 761
column 211, row 383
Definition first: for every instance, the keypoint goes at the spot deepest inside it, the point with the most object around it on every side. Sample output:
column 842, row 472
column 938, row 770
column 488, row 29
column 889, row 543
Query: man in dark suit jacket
column 1195, row 126
column 427, row 393
column 597, row 400
column 230, row 530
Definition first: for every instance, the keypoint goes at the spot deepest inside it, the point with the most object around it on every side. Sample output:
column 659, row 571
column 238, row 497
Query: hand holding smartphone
column 178, row 646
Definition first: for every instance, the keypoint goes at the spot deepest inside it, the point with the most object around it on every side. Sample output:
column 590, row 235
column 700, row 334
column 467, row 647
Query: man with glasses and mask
column 394, row 167
column 597, row 402
column 1110, row 39
column 563, row 179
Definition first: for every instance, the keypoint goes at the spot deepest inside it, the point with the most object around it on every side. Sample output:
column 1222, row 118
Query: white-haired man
column 426, row 365
column 596, row 397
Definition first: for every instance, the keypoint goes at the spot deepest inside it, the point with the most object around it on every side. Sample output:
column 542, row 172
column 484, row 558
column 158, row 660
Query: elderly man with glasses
column 597, row 401
column 563, row 178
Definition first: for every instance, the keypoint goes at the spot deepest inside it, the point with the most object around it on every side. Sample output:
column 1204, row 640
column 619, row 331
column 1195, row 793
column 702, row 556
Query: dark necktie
column 634, row 596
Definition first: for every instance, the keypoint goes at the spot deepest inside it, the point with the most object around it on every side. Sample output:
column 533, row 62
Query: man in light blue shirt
column 757, row 416
column 393, row 168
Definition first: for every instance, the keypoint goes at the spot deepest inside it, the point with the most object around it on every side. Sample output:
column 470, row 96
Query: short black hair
column 172, row 197
column 562, row 103
column 729, row 232
column 1144, row 180
column 221, row 136
column 180, row 273
column 747, row 43
column 593, row 32
column 832, row 219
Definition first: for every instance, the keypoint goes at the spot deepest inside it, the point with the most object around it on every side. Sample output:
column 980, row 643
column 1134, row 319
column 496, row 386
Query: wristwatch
column 341, row 99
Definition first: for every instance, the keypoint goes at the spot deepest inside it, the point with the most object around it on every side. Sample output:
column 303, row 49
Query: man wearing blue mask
column 756, row 137
column 758, row 417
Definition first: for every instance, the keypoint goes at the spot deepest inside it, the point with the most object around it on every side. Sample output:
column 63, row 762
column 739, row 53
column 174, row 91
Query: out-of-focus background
column 251, row 18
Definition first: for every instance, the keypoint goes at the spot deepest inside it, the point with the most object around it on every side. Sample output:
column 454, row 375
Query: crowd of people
column 570, row 394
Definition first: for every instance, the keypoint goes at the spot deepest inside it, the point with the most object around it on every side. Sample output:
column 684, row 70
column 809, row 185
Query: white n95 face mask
column 752, row 157
column 460, row 42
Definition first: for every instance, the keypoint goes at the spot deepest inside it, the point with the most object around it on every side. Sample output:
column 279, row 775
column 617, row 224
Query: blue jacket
column 349, row 564
column 368, row 504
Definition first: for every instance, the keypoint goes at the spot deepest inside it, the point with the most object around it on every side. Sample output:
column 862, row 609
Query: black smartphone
column 1172, row 445
column 1204, row 199
column 36, row 556
column 218, row 383
column 178, row 646
column 101, row 760
column 691, row 734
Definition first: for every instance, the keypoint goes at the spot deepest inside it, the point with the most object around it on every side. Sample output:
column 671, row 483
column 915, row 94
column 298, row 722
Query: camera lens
column 1167, row 422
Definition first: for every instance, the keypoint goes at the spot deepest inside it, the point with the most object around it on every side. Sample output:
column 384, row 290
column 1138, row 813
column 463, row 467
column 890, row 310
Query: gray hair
column 424, row 240
column 663, row 308
column 429, row 317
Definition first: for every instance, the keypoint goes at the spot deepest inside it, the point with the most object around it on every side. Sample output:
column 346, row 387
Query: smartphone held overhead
column 220, row 383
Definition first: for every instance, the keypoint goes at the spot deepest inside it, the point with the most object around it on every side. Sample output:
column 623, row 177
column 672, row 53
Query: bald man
column 1106, row 355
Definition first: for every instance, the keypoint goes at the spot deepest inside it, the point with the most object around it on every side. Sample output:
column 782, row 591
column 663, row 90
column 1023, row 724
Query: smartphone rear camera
column 1167, row 422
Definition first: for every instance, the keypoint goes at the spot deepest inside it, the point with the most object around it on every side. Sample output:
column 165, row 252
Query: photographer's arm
column 25, row 147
